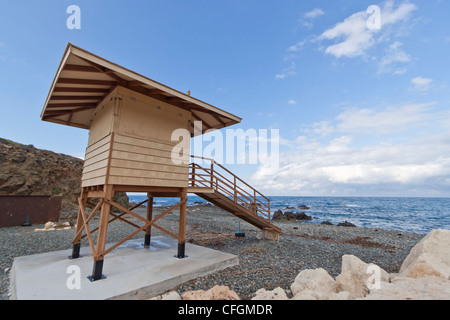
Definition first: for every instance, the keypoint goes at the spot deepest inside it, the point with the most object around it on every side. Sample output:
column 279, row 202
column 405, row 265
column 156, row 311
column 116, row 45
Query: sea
column 417, row 215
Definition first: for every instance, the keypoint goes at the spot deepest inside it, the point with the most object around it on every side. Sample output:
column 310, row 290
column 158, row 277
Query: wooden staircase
column 222, row 188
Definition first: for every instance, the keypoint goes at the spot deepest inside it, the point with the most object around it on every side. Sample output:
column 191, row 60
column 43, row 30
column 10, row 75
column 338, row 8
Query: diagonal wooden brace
column 147, row 223
column 86, row 226
column 94, row 211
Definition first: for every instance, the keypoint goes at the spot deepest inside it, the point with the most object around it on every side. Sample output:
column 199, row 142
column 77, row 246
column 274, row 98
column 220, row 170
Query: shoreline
column 263, row 264
column 412, row 214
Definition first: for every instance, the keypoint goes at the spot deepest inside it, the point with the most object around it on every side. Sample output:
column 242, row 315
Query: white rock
column 317, row 280
column 357, row 276
column 406, row 288
column 49, row 225
column 430, row 257
column 312, row 295
column 215, row 293
column 275, row 294
column 343, row 295
column 309, row 295
column 173, row 295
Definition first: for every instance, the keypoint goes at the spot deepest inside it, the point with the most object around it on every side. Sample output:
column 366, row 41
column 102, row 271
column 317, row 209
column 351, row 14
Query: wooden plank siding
column 96, row 162
column 145, row 162
column 128, row 146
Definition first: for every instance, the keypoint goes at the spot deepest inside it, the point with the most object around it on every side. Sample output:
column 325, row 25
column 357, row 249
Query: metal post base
column 147, row 240
column 181, row 250
column 97, row 271
column 75, row 251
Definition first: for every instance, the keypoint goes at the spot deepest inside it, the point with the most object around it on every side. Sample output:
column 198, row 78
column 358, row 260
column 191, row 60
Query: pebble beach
column 262, row 263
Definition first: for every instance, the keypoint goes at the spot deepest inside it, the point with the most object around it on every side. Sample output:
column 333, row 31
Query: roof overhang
column 83, row 80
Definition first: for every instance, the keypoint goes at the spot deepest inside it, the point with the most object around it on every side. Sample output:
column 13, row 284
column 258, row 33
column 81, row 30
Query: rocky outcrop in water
column 289, row 215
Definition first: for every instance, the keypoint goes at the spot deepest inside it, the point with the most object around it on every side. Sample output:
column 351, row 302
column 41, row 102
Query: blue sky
column 360, row 112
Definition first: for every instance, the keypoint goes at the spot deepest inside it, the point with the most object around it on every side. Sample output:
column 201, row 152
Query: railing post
column 254, row 201
column 193, row 176
column 235, row 190
column 268, row 203
column 212, row 173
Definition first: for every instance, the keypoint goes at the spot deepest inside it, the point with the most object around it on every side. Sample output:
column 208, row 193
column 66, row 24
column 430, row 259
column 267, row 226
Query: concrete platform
column 132, row 271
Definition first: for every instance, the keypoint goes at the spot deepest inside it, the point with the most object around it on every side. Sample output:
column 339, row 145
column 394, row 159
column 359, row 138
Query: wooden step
column 242, row 212
column 218, row 185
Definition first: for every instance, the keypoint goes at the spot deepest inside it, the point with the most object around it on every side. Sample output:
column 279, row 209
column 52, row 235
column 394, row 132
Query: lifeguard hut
column 131, row 119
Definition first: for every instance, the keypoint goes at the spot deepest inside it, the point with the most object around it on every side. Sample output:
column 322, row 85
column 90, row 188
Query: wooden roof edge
column 60, row 68
column 86, row 55
column 129, row 73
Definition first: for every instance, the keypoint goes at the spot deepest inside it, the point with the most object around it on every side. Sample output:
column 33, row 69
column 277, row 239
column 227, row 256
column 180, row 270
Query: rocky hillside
column 26, row 170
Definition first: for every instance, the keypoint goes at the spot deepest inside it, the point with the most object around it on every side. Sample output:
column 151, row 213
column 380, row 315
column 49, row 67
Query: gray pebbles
column 262, row 264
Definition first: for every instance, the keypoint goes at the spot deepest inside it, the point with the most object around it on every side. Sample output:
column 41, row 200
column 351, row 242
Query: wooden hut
column 130, row 119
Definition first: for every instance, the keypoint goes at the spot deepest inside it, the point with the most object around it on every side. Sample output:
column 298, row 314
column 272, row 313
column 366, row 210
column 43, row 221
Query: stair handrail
column 217, row 181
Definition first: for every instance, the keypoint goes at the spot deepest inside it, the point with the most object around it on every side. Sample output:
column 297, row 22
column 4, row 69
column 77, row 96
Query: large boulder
column 302, row 216
column 309, row 295
column 277, row 215
column 215, row 293
column 346, row 224
column 317, row 281
column 275, row 294
column 313, row 295
column 357, row 277
column 406, row 288
column 430, row 257
column 290, row 216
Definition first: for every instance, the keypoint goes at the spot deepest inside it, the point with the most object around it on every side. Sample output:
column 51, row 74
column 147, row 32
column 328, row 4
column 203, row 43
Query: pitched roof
column 83, row 80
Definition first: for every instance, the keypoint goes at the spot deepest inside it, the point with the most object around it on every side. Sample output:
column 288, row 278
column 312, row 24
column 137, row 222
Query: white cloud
column 355, row 38
column 421, row 84
column 322, row 128
column 390, row 120
column 317, row 12
column 346, row 164
column 389, row 15
column 297, row 46
column 352, row 38
column 292, row 101
column 394, row 56
column 307, row 19
column 288, row 71
column 393, row 119
column 421, row 164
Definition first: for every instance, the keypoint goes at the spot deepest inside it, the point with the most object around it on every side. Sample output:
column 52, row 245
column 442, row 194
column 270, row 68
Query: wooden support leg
column 182, row 226
column 148, row 230
column 102, row 233
column 77, row 240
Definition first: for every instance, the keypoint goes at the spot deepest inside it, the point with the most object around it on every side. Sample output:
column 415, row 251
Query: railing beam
column 204, row 176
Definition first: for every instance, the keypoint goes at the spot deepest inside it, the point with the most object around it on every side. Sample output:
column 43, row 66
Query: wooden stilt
column 182, row 225
column 102, row 234
column 148, row 230
column 106, row 194
column 80, row 225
